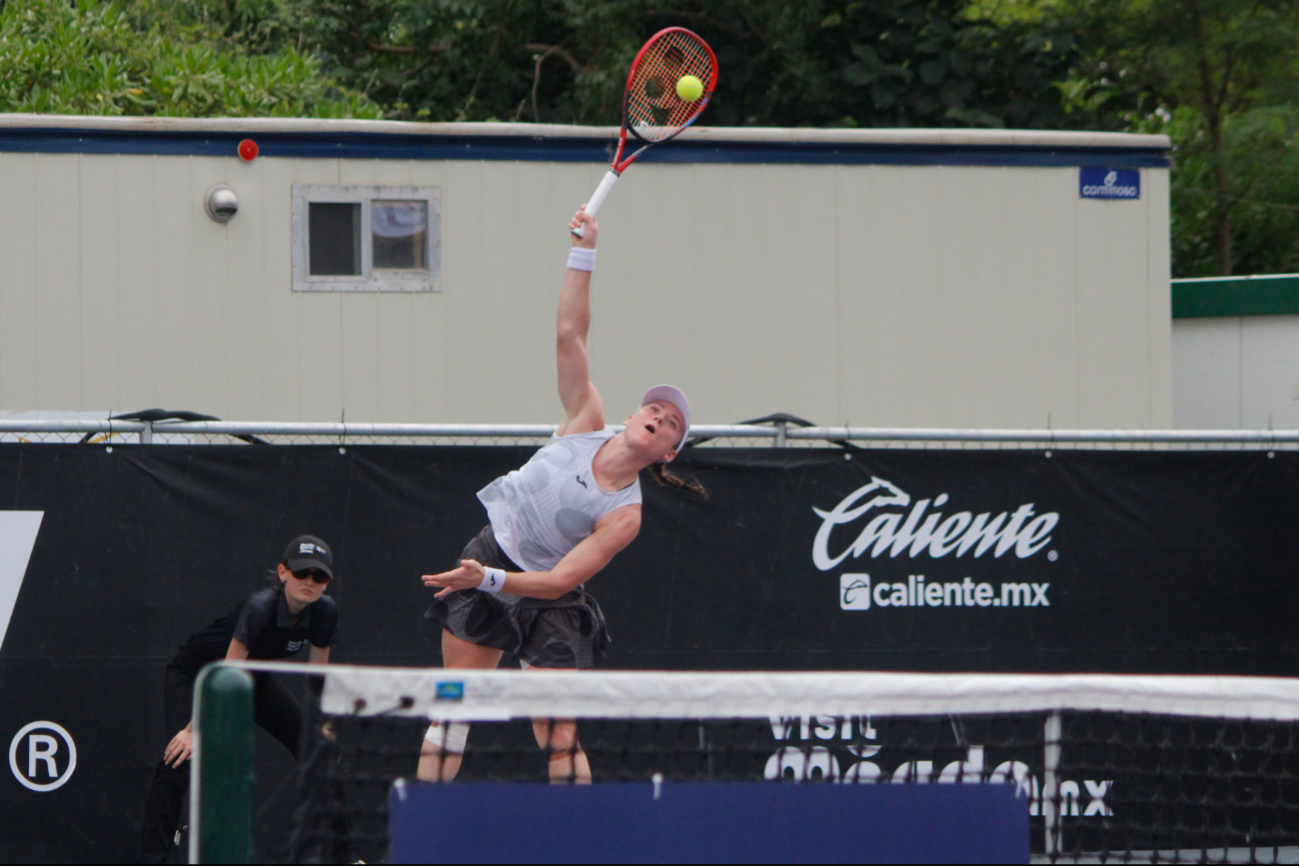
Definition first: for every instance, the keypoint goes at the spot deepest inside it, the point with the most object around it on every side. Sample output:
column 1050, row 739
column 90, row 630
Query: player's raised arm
column 583, row 411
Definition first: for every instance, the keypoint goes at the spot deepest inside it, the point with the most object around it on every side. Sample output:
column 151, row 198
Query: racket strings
column 654, row 111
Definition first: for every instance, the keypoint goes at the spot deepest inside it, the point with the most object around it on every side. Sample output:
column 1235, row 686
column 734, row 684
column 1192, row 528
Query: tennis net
column 1130, row 768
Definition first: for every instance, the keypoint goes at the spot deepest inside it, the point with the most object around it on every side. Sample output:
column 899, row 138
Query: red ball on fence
column 247, row 150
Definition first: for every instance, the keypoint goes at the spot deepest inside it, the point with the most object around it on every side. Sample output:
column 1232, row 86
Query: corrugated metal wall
column 873, row 295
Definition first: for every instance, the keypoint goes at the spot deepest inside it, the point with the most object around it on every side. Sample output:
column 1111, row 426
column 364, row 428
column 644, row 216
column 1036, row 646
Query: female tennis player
column 272, row 623
column 554, row 524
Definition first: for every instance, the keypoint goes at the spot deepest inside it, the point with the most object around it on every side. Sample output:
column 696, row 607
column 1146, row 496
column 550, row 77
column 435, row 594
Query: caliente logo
column 924, row 530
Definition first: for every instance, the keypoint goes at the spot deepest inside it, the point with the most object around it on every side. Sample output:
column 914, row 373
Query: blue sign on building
column 1109, row 183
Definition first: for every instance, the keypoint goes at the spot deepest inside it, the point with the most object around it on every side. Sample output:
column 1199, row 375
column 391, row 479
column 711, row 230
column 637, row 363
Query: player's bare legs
column 568, row 763
column 436, row 764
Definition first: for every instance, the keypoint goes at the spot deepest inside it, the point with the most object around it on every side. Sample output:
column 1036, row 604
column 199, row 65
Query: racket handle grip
column 598, row 197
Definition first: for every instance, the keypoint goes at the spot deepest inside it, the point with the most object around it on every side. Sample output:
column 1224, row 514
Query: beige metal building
column 1236, row 353
column 408, row 272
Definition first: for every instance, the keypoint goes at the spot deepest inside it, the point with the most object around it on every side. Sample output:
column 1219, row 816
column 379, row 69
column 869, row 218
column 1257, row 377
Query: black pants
column 273, row 709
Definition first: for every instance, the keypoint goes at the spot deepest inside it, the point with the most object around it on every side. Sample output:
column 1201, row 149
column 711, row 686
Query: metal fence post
column 781, row 432
column 221, row 797
column 146, row 433
column 1052, row 731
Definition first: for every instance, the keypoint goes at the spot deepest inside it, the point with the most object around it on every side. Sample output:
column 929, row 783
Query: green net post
column 221, row 784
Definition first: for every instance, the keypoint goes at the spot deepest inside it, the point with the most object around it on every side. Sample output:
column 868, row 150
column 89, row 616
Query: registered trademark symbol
column 1052, row 555
column 42, row 750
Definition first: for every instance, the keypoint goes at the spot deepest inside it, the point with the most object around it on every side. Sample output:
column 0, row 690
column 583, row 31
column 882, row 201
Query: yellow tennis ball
column 690, row 88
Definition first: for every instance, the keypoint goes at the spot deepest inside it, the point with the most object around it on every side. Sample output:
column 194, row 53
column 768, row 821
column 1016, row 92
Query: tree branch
column 546, row 51
column 406, row 49
column 1227, row 66
column 482, row 70
column 557, row 50
column 536, row 80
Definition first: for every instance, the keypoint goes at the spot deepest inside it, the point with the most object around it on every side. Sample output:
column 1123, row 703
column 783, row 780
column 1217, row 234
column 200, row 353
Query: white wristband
column 493, row 579
column 580, row 259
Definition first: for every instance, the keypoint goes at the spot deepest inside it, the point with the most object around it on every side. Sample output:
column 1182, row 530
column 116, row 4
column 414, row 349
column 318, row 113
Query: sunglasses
column 315, row 575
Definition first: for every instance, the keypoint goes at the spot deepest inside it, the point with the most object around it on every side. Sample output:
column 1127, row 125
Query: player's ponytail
column 667, row 479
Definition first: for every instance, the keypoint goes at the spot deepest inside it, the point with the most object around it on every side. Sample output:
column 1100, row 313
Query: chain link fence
column 113, row 433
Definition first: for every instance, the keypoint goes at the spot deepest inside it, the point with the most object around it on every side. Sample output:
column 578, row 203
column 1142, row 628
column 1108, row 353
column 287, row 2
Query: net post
column 222, row 775
column 1052, row 731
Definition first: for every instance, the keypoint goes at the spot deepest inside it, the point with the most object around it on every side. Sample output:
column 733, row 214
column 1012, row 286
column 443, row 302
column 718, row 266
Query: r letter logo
column 42, row 756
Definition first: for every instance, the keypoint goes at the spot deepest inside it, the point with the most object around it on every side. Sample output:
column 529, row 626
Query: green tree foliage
column 1221, row 77
column 91, row 57
column 1259, row 156
column 813, row 62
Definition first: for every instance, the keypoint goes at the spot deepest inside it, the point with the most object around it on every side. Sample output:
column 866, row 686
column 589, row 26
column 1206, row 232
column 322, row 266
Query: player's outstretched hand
column 590, row 229
column 179, row 749
column 469, row 575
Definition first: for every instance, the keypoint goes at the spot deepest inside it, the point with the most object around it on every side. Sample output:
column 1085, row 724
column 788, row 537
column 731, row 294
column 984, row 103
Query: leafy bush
column 89, row 57
column 1261, row 156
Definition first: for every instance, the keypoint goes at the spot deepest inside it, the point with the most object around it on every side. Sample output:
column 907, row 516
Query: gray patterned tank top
column 542, row 510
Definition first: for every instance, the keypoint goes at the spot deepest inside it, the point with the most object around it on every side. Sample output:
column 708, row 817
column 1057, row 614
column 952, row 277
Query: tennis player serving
column 554, row 524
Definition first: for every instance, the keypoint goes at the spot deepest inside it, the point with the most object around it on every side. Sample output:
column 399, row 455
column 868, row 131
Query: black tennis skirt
column 565, row 632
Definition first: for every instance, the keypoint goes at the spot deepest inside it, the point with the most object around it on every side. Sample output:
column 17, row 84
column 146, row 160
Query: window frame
column 369, row 280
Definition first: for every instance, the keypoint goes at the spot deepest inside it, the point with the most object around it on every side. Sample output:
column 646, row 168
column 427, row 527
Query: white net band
column 469, row 695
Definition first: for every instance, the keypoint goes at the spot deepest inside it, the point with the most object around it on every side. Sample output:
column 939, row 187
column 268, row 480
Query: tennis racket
column 651, row 110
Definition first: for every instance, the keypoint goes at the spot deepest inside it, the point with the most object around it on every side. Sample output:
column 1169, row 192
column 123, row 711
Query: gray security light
column 221, row 203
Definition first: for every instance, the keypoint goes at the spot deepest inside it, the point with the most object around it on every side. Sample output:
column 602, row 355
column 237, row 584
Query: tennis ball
column 690, row 88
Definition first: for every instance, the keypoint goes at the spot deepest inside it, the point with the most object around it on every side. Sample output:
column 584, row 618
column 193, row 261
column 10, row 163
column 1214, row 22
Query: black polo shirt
column 262, row 623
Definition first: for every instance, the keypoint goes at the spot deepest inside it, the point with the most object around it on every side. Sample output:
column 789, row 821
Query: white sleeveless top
column 541, row 511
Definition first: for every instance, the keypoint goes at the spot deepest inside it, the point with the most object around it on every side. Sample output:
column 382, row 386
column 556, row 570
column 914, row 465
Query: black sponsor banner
column 1153, row 562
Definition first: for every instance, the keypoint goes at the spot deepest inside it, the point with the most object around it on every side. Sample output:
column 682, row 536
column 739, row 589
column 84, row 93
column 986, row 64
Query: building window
column 399, row 230
column 334, row 239
column 366, row 238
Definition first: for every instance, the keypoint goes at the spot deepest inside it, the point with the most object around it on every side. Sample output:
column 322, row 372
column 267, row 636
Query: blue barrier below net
column 707, row 823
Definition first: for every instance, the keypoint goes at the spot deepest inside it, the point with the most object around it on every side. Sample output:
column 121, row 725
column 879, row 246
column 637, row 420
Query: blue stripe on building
column 361, row 145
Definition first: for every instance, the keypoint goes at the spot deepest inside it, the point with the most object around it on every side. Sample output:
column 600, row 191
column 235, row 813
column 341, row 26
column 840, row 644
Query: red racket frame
column 620, row 164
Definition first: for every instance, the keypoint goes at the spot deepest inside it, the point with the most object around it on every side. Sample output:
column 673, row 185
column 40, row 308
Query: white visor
column 677, row 398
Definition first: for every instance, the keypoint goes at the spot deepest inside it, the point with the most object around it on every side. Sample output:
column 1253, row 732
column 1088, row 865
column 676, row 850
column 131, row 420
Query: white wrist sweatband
column 493, row 579
column 580, row 259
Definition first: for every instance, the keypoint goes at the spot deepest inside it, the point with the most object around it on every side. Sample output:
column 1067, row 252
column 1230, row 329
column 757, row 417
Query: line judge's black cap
column 307, row 551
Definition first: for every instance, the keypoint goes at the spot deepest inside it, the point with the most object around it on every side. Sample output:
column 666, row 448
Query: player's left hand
column 469, row 575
